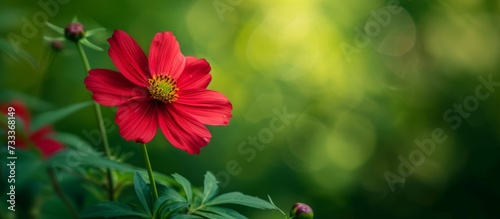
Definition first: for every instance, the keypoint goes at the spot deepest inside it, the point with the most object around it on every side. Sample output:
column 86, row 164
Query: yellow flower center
column 163, row 88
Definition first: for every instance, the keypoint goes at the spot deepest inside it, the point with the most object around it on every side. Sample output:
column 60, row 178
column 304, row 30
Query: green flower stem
column 60, row 193
column 100, row 121
column 150, row 172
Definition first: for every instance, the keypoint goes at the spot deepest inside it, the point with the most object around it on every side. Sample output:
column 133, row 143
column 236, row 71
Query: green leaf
column 52, row 39
column 270, row 200
column 159, row 203
column 55, row 28
column 87, row 43
column 15, row 52
column 173, row 208
column 186, row 185
column 164, row 179
column 184, row 216
column 94, row 31
column 225, row 212
column 32, row 102
column 76, row 143
column 70, row 159
column 143, row 193
column 240, row 199
column 53, row 116
column 210, row 187
column 210, row 215
column 172, row 194
column 111, row 209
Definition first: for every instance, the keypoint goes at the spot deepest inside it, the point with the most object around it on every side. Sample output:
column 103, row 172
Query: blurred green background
column 361, row 80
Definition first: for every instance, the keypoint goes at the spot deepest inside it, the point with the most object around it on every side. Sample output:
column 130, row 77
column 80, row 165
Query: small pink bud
column 74, row 32
column 57, row 45
column 301, row 211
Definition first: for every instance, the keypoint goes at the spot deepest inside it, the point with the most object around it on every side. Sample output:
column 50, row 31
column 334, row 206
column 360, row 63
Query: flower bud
column 74, row 32
column 301, row 211
column 57, row 45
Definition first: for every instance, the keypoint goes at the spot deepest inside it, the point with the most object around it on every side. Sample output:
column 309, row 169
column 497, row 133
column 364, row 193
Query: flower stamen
column 163, row 88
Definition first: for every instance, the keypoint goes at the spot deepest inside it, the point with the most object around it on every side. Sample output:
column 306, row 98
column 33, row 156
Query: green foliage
column 72, row 160
column 56, row 115
column 55, row 28
column 186, row 185
column 240, row 199
column 206, row 205
column 15, row 53
column 210, row 187
column 143, row 193
column 185, row 204
column 111, row 209
column 31, row 101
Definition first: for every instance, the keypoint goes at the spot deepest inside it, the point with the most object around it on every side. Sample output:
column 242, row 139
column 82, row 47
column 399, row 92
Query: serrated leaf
column 186, row 185
column 87, row 43
column 53, row 116
column 210, row 187
column 184, row 216
column 240, row 199
column 111, row 209
column 143, row 192
column 225, row 212
column 55, row 28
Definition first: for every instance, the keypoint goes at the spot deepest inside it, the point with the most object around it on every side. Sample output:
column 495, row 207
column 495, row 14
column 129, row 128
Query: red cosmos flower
column 166, row 90
column 41, row 137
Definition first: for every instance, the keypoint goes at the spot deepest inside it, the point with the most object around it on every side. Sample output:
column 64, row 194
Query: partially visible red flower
column 41, row 138
column 166, row 90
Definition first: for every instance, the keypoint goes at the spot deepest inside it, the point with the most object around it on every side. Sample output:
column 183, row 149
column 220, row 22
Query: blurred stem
column 100, row 121
column 60, row 193
column 150, row 172
column 46, row 65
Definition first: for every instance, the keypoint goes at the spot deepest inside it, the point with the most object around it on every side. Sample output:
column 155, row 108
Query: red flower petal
column 111, row 88
column 165, row 56
column 49, row 147
column 138, row 120
column 195, row 75
column 20, row 112
column 182, row 130
column 129, row 58
column 41, row 139
column 207, row 106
